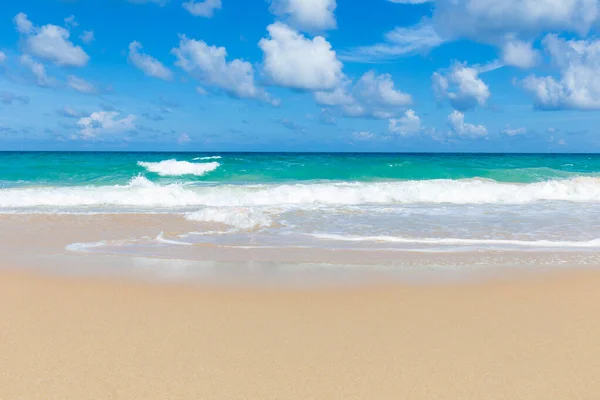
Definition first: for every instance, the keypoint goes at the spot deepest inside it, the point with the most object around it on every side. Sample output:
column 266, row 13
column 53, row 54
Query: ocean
column 392, row 202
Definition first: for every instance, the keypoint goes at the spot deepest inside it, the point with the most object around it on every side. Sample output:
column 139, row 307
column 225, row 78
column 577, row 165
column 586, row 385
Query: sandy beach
column 528, row 338
column 69, row 334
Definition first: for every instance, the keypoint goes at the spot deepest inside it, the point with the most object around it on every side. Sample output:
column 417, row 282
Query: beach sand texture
column 536, row 337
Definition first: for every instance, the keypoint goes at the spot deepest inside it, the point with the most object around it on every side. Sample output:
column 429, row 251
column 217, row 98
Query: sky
column 300, row 75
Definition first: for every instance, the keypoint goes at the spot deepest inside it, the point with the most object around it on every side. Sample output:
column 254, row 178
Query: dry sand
column 528, row 338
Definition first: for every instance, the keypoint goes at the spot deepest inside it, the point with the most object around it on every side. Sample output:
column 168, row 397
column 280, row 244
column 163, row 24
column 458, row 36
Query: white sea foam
column 175, row 168
column 161, row 238
column 462, row 242
column 208, row 158
column 243, row 218
column 140, row 192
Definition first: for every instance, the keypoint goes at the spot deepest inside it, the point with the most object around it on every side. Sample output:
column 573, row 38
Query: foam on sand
column 242, row 218
column 462, row 242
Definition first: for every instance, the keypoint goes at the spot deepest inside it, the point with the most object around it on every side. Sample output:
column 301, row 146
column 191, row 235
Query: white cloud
column 456, row 122
column 402, row 41
column 294, row 61
column 520, row 54
column 209, row 65
column 508, row 131
column 339, row 96
column 373, row 96
column 408, row 124
column 24, row 26
column 38, row 70
column 363, row 135
column 87, row 37
column 50, row 42
column 105, row 122
column 204, row 8
column 149, row 65
column 2, row 57
column 461, row 86
column 183, row 139
column 491, row 20
column 201, row 91
column 578, row 86
column 81, row 85
column 70, row 22
column 306, row 15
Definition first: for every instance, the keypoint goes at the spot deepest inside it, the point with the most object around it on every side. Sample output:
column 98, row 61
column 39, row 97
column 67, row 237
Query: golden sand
column 531, row 338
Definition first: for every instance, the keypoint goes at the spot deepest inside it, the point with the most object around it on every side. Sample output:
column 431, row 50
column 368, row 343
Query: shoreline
column 90, row 326
column 38, row 242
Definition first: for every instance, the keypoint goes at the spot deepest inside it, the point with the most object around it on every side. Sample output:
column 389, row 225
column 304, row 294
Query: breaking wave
column 175, row 168
column 141, row 192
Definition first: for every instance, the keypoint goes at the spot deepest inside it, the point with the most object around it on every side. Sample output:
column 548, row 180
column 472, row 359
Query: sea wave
column 141, row 192
column 208, row 158
column 175, row 168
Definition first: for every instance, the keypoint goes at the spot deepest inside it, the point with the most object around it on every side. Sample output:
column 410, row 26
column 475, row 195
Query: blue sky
column 300, row 75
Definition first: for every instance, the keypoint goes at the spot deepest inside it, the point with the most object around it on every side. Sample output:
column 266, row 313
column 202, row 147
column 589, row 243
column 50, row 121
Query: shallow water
column 387, row 202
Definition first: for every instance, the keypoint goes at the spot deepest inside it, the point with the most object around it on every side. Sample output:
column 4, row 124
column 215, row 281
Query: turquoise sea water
column 56, row 169
column 410, row 202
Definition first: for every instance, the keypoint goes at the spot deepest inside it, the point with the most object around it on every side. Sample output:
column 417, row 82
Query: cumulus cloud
column 363, row 135
column 149, row 65
column 81, row 85
column 402, row 41
column 204, row 8
column 105, row 122
column 50, row 42
column 458, row 126
column 407, row 125
column 461, row 86
column 491, row 20
column 41, row 78
column 373, row 96
column 306, row 15
column 520, row 54
column 209, row 65
column 70, row 22
column 294, row 61
column 508, row 131
column 578, row 84
column 87, row 37
column 486, row 21
column 9, row 98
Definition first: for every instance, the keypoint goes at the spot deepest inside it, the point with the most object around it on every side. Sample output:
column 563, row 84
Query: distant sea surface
column 411, row 202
